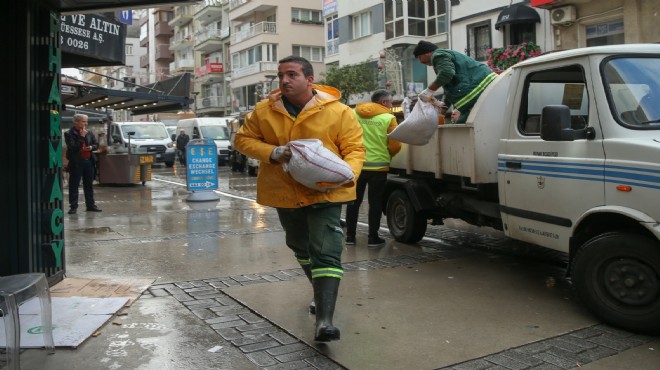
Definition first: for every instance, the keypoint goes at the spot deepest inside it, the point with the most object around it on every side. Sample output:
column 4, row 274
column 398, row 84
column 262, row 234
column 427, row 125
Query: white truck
column 562, row 151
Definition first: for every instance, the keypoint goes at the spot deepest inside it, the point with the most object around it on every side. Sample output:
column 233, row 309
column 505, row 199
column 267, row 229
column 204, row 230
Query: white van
column 147, row 137
column 208, row 128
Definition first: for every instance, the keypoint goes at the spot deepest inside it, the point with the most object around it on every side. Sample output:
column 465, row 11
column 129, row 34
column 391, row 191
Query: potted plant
column 499, row 59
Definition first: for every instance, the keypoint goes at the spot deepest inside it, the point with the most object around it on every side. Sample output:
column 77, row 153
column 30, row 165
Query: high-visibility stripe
column 328, row 272
column 376, row 164
column 476, row 91
column 304, row 262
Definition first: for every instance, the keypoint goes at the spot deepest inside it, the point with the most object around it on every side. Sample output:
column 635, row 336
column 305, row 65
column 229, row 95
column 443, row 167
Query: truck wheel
column 405, row 224
column 617, row 276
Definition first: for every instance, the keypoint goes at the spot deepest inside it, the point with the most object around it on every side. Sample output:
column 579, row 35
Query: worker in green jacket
column 462, row 78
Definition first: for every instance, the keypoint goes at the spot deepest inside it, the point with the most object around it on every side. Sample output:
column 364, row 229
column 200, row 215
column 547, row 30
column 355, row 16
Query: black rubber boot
column 308, row 271
column 325, row 296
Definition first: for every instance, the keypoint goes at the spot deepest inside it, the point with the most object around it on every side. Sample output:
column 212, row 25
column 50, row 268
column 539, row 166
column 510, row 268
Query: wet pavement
column 228, row 294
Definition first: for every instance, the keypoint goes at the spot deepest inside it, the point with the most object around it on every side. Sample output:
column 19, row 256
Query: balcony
column 249, row 10
column 180, row 41
column 182, row 16
column 208, row 13
column 163, row 52
column 144, row 41
column 236, row 3
column 211, row 102
column 162, row 29
column 209, row 73
column 257, row 29
column 208, row 40
column 266, row 67
column 182, row 65
column 144, row 61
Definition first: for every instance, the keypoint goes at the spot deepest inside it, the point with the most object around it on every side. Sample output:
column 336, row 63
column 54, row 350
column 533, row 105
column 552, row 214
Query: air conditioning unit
column 565, row 14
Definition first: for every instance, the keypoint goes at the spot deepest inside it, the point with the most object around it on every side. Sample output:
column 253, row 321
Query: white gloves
column 426, row 95
column 281, row 154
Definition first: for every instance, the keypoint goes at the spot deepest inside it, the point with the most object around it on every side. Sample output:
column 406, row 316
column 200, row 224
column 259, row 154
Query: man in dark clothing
column 80, row 144
column 181, row 144
column 462, row 78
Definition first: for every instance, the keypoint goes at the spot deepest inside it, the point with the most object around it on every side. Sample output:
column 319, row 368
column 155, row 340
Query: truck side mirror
column 173, row 137
column 556, row 123
column 116, row 139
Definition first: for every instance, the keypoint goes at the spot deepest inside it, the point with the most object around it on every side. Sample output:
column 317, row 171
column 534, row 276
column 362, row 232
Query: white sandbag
column 420, row 125
column 316, row 166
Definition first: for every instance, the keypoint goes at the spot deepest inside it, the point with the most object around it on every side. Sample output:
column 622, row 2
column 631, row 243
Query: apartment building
column 211, row 44
column 155, row 34
column 264, row 31
column 181, row 43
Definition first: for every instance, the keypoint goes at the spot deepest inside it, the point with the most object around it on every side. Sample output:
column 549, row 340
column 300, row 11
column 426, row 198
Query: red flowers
column 500, row 59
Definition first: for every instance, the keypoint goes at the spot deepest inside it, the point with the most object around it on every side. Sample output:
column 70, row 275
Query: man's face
column 293, row 82
column 80, row 124
column 386, row 102
column 425, row 58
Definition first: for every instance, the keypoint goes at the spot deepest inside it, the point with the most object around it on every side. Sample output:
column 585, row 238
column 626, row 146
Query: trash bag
column 420, row 125
column 316, row 166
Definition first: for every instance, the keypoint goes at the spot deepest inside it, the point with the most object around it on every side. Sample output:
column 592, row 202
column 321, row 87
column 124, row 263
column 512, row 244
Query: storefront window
column 605, row 34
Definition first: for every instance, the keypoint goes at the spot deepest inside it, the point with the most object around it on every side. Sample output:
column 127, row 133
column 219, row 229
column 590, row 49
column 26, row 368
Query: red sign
column 539, row 3
column 209, row 68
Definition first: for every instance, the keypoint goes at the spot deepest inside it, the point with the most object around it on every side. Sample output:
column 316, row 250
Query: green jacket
column 377, row 122
column 462, row 78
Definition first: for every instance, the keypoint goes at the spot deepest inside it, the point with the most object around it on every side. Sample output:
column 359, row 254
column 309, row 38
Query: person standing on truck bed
column 377, row 121
column 80, row 144
column 300, row 109
column 462, row 78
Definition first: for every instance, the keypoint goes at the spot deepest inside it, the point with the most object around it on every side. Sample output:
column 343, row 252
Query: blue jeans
column 83, row 170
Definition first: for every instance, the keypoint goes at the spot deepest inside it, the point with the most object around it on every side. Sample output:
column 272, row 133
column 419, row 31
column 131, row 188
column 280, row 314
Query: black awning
column 515, row 14
column 144, row 100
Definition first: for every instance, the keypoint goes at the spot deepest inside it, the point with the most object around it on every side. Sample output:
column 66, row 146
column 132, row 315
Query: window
column 311, row 53
column 129, row 49
column 479, row 40
column 522, row 32
column 361, row 25
column 415, row 18
column 632, row 85
column 256, row 54
column 332, row 40
column 306, row 16
column 563, row 86
column 605, row 34
column 394, row 19
column 144, row 31
column 165, row 16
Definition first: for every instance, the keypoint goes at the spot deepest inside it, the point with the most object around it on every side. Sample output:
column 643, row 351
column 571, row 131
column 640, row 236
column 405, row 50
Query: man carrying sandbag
column 462, row 78
column 299, row 109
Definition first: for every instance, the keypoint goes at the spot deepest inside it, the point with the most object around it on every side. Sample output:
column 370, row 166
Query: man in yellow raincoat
column 300, row 109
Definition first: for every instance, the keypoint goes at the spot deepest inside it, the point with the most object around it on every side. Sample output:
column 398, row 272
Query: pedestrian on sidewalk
column 80, row 145
column 300, row 109
column 377, row 121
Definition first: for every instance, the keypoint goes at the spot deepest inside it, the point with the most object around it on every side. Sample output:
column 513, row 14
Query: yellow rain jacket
column 324, row 118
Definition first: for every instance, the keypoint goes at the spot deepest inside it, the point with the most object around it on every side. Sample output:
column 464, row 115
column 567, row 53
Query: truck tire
column 405, row 225
column 617, row 276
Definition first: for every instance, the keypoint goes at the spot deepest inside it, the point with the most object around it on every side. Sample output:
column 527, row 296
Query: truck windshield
column 633, row 86
column 145, row 131
column 215, row 132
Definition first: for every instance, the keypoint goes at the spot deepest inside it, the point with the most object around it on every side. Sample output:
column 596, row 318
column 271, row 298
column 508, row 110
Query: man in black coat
column 181, row 143
column 80, row 145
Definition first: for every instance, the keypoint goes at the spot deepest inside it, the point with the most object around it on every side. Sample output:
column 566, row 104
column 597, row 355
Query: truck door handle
column 514, row 165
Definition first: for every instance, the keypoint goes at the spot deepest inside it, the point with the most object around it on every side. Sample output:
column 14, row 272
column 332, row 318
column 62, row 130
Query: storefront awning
column 86, row 6
column 516, row 14
column 164, row 96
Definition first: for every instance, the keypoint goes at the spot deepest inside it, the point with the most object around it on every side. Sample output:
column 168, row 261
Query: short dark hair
column 307, row 68
column 379, row 95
